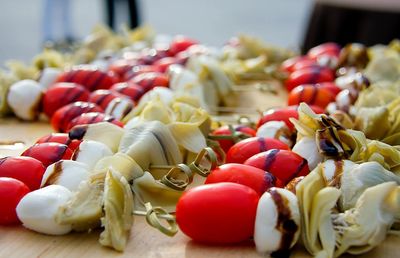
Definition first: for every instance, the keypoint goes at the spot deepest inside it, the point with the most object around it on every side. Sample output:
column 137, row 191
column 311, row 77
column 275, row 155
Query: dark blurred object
column 133, row 12
column 343, row 25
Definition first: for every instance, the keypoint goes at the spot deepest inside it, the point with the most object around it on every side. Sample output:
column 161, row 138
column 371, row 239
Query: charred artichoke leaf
column 118, row 209
column 84, row 210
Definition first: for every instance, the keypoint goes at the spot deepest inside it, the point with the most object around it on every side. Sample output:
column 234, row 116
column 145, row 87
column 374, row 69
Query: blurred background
column 211, row 22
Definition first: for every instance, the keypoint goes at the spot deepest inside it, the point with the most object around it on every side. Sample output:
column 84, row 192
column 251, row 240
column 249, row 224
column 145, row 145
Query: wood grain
column 145, row 241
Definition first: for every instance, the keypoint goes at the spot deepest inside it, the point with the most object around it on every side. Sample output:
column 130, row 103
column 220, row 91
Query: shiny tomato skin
column 165, row 62
column 329, row 48
column 11, row 192
column 247, row 148
column 283, row 164
column 308, row 75
column 63, row 116
column 221, row 213
column 49, row 152
column 148, row 81
column 62, row 138
column 103, row 97
column 92, row 118
column 61, row 94
column 289, row 64
column 311, row 95
column 280, row 114
column 224, row 130
column 26, row 169
column 331, row 86
column 129, row 89
column 255, row 178
column 180, row 43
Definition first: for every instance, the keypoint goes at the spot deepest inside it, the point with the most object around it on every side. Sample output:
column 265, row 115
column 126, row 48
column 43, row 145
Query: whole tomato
column 247, row 148
column 255, row 178
column 62, row 138
column 26, row 169
column 61, row 94
column 221, row 213
column 226, row 131
column 180, row 43
column 49, row 152
column 283, row 164
column 328, row 49
column 11, row 192
column 312, row 95
column 279, row 114
column 309, row 75
column 289, row 64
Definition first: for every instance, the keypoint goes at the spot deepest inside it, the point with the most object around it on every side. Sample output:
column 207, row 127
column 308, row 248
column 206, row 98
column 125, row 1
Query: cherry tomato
column 331, row 86
column 288, row 64
column 309, row 75
column 61, row 94
column 279, row 114
column 255, row 178
column 283, row 164
column 306, row 63
column 329, row 48
column 247, row 148
column 62, row 138
column 129, row 89
column 139, row 69
column 181, row 43
column 92, row 118
column 89, row 77
column 122, row 66
column 63, row 116
column 165, row 62
column 11, row 192
column 26, row 169
column 221, row 213
column 226, row 144
column 103, row 97
column 312, row 95
column 150, row 55
column 49, row 152
column 148, row 81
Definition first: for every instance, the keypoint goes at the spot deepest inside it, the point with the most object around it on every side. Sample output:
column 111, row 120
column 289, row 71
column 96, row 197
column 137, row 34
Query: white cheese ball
column 67, row 173
column 37, row 210
column 24, row 99
column 48, row 77
column 308, row 149
column 89, row 152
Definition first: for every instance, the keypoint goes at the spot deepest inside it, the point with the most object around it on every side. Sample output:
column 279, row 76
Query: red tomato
column 49, row 152
column 122, row 66
column 11, row 192
column 61, row 94
column 312, row 95
column 331, row 86
column 224, row 131
column 279, row 114
column 221, row 213
column 103, row 97
column 288, row 64
column 283, row 164
column 308, row 75
column 89, row 77
column 62, row 138
column 139, row 69
column 165, row 62
column 92, row 118
column 301, row 64
column 63, row 116
column 129, row 89
column 148, row 81
column 255, row 178
column 329, row 48
column 247, row 148
column 181, row 43
column 26, row 169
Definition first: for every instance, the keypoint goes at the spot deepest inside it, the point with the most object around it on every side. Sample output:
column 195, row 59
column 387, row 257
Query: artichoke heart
column 150, row 143
column 118, row 209
column 84, row 210
column 122, row 163
column 103, row 132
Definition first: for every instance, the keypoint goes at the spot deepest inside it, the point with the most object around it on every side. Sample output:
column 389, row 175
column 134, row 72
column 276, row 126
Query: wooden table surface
column 145, row 241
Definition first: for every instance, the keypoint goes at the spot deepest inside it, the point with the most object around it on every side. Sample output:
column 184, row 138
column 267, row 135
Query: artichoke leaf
column 118, row 209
